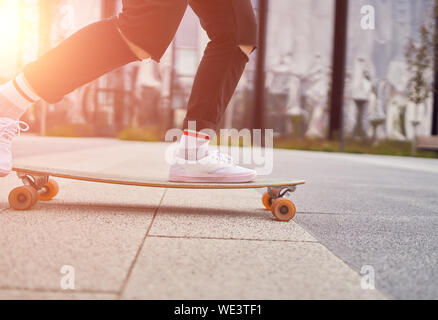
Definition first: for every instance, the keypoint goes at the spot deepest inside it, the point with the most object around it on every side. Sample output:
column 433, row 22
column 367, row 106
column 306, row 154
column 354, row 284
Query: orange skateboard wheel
column 283, row 210
column 51, row 191
column 23, row 198
column 267, row 201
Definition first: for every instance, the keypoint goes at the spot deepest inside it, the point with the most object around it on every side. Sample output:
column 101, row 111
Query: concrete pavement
column 138, row 243
column 373, row 210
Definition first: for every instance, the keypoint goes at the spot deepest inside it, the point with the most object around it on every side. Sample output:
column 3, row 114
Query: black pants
column 151, row 25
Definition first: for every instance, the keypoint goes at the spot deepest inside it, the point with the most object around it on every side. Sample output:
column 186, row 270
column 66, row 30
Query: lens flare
column 9, row 35
column 18, row 34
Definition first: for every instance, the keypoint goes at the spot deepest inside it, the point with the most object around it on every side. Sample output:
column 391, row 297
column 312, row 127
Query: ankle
column 16, row 96
column 193, row 145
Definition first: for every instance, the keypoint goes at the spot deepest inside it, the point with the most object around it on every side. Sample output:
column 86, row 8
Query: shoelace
column 216, row 155
column 9, row 129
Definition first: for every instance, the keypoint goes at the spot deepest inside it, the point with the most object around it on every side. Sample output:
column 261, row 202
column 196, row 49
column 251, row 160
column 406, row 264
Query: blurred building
column 299, row 54
column 300, row 36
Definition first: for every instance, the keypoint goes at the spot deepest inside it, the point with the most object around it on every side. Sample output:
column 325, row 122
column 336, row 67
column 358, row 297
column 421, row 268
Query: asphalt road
column 373, row 211
column 367, row 210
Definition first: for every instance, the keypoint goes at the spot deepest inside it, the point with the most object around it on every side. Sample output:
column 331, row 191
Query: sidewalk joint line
column 41, row 290
column 325, row 213
column 229, row 239
column 131, row 268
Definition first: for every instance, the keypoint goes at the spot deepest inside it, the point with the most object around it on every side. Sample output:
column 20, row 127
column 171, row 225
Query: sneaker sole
column 213, row 179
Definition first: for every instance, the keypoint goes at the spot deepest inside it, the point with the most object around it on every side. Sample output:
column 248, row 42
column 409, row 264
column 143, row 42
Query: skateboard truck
column 37, row 181
column 282, row 208
column 35, row 187
column 280, row 192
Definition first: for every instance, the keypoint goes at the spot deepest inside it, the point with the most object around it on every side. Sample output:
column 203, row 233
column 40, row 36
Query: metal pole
column 115, row 82
column 19, row 61
column 435, row 93
column 338, row 79
column 171, row 119
column 435, row 103
column 259, row 103
column 44, row 25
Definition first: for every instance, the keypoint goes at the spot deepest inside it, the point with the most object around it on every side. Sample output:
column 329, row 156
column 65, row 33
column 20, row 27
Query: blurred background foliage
column 387, row 68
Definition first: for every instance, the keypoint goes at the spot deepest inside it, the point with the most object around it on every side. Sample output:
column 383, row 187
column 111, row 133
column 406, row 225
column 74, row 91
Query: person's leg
column 105, row 46
column 86, row 55
column 144, row 29
column 231, row 26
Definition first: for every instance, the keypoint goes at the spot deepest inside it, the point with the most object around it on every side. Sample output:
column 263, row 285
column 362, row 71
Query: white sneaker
column 9, row 128
column 215, row 167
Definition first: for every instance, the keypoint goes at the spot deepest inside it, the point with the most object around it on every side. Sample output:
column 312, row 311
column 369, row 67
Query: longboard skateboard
column 39, row 185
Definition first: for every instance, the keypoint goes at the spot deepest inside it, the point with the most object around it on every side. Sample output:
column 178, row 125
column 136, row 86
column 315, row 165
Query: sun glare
column 13, row 28
column 9, row 34
column 9, row 24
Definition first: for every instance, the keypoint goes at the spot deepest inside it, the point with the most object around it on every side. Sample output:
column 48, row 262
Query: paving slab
column 99, row 158
column 99, row 242
column 6, row 185
column 45, row 295
column 27, row 145
column 230, row 214
column 97, row 229
column 170, row 268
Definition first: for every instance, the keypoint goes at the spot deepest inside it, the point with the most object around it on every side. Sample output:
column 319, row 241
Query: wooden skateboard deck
column 152, row 183
column 39, row 186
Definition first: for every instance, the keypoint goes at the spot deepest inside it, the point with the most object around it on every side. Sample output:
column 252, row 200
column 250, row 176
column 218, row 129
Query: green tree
column 420, row 58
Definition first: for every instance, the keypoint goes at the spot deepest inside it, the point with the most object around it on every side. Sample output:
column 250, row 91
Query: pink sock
column 16, row 97
column 193, row 145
